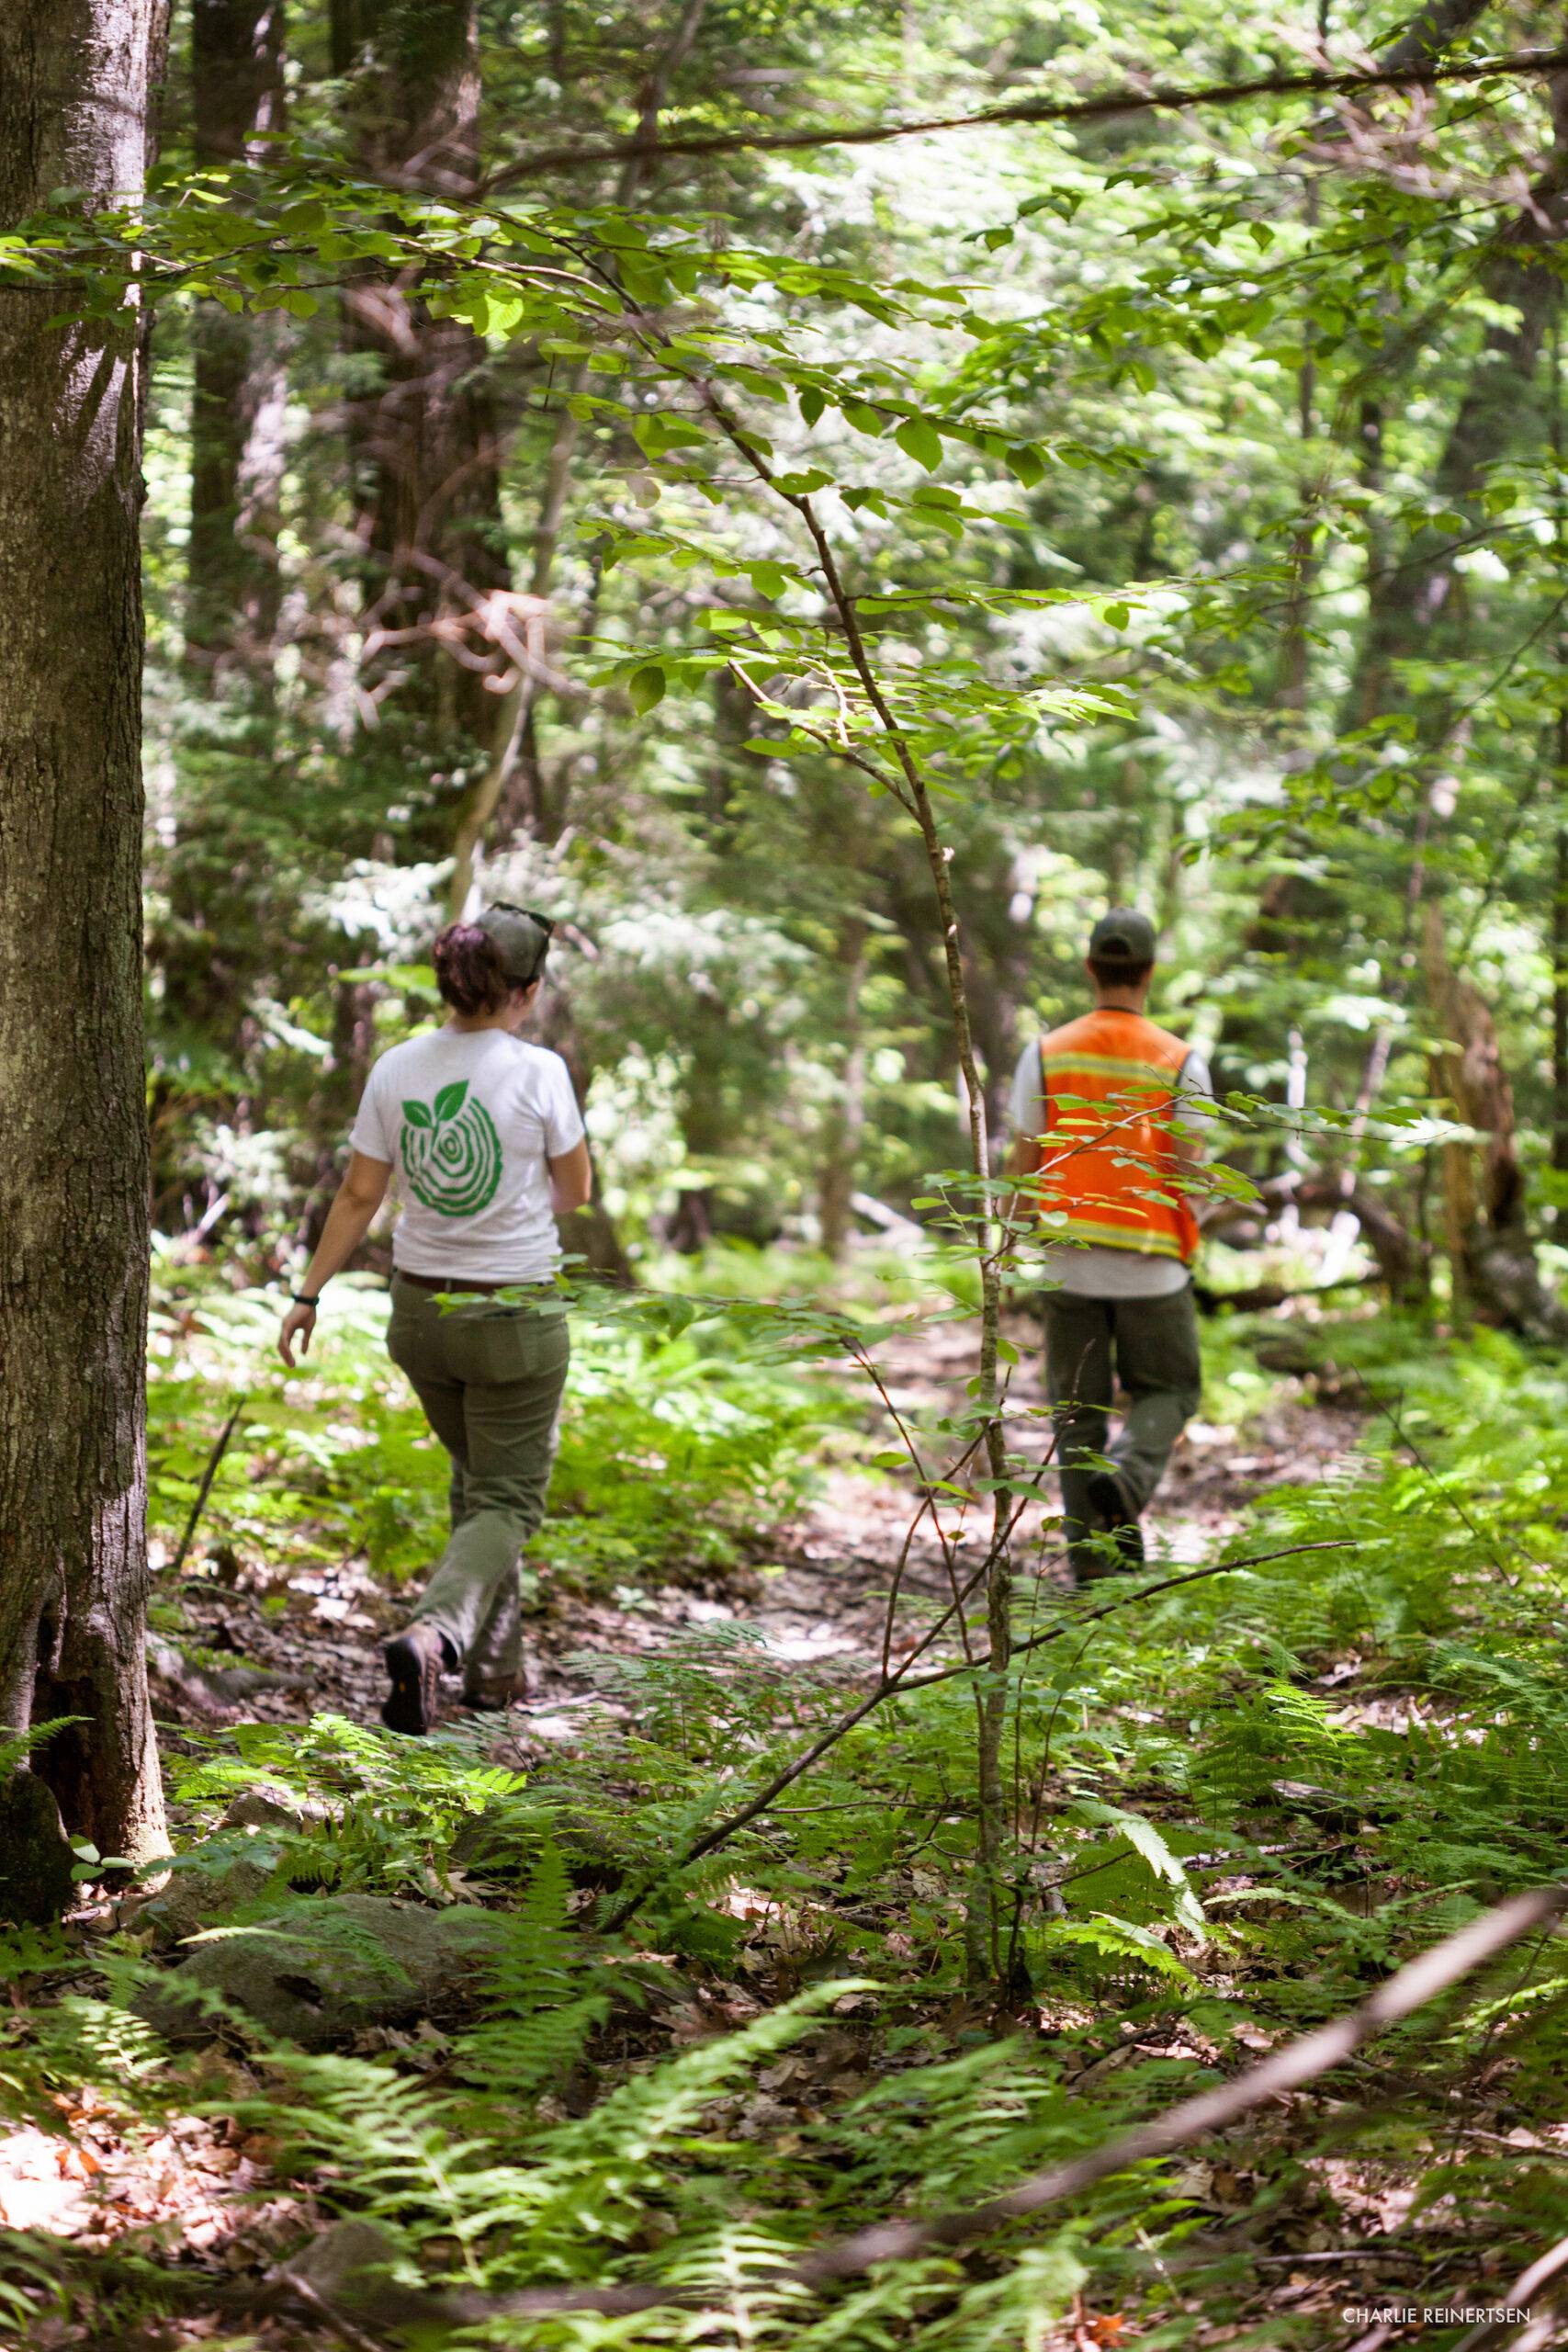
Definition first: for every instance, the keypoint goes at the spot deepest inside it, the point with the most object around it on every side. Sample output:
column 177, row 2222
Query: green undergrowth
column 1233, row 1809
column 676, row 1442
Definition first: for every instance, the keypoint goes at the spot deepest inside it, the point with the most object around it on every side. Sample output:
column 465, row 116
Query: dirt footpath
column 814, row 1588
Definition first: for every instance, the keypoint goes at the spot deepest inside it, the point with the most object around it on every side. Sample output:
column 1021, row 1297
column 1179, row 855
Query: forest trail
column 1341, row 2224
column 837, row 510
column 814, row 1590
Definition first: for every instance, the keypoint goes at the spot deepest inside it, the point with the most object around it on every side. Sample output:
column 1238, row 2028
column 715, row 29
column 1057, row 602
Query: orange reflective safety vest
column 1108, row 1165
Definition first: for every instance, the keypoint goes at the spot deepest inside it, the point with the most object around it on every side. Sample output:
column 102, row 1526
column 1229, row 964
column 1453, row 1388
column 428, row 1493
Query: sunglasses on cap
column 546, row 924
column 505, row 907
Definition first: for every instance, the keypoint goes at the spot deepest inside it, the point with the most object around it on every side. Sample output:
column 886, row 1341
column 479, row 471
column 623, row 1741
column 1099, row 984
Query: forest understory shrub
column 1232, row 1808
column 673, row 1448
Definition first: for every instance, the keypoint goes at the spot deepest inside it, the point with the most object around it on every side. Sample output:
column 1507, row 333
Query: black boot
column 1118, row 1520
column 414, row 1661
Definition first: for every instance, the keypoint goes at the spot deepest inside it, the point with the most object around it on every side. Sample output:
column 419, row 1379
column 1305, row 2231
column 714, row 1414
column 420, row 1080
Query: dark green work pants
column 1149, row 1348
column 489, row 1378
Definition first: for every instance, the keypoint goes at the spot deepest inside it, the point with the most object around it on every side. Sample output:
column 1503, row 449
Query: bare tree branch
column 1288, row 2069
column 1544, row 2271
column 1433, row 29
column 1420, row 72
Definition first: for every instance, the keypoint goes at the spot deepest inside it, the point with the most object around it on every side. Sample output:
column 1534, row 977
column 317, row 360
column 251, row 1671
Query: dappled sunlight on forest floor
column 1235, row 1808
column 813, row 1586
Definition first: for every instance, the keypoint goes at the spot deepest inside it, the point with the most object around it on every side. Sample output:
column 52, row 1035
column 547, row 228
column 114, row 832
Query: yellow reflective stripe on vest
column 1145, row 1243
column 1108, row 1153
column 1059, row 1065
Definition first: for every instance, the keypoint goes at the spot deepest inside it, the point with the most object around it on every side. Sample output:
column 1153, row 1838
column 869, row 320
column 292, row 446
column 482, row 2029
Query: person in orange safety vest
column 1108, row 1116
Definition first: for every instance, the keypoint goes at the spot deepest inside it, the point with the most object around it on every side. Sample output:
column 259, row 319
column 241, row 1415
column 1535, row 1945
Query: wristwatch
column 296, row 1298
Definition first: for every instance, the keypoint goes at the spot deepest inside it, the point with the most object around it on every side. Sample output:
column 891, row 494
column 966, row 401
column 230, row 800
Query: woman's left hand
column 297, row 1324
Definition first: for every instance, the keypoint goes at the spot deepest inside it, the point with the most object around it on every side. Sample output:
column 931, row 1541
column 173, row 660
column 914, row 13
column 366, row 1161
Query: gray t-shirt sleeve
column 1195, row 1116
column 1027, row 1100
column 562, row 1119
column 369, row 1133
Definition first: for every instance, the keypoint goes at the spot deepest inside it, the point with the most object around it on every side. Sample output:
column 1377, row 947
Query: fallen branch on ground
column 1546, row 2270
column 326, row 2277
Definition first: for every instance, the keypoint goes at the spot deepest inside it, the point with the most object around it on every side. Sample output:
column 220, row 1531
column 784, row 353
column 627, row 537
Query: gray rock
column 210, row 1690
column 347, row 2272
column 325, row 1967
column 208, row 1883
column 205, row 1887
column 35, row 1857
column 267, row 1806
column 504, row 1842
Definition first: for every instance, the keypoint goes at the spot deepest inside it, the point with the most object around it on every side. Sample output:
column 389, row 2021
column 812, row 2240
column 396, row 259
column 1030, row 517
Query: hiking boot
column 415, row 1658
column 1118, row 1520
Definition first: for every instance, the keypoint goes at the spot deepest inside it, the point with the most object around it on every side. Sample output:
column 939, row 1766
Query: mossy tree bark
column 74, row 112
column 1494, row 1269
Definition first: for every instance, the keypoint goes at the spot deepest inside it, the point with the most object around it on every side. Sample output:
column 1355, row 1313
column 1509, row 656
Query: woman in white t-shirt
column 486, row 1141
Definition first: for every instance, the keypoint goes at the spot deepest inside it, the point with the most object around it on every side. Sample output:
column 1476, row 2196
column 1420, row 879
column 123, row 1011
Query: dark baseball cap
column 522, row 939
column 1123, row 936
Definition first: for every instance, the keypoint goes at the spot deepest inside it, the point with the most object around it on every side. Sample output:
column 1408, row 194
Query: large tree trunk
column 423, row 433
column 1416, row 612
column 1495, row 1269
column 239, row 395
column 515, row 739
column 240, row 384
column 73, row 99
column 1415, row 607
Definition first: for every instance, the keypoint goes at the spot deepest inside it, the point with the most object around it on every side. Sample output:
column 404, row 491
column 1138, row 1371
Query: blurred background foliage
column 1277, row 397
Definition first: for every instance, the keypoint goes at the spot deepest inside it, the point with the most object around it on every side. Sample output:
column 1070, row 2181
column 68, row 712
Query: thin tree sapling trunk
column 74, row 112
column 1559, row 745
column 1560, row 963
column 845, row 1124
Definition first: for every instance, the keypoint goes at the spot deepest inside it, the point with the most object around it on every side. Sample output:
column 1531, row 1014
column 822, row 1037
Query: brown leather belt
column 454, row 1281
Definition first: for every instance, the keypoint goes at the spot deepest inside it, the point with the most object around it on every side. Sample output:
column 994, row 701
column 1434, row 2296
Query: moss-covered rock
column 36, row 1859
column 322, row 1968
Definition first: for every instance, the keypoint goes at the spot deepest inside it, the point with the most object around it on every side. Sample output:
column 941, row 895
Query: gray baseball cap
column 1123, row 936
column 522, row 940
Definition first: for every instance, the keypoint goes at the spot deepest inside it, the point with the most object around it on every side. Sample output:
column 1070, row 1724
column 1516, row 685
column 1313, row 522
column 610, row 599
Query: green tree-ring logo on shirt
column 451, row 1152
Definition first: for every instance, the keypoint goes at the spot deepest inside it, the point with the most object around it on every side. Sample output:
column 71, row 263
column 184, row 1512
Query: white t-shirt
column 468, row 1119
column 1092, row 1271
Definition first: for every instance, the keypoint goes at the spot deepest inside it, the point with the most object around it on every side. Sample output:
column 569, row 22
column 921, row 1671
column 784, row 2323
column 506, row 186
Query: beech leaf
column 921, row 441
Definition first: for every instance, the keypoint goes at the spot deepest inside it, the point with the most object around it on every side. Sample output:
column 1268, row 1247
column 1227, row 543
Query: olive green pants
column 489, row 1378
column 1149, row 1348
